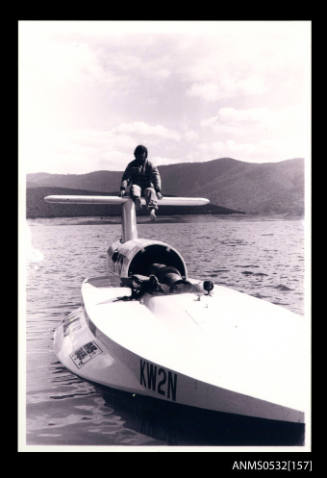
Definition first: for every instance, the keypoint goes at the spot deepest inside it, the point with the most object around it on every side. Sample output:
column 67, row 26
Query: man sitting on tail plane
column 144, row 180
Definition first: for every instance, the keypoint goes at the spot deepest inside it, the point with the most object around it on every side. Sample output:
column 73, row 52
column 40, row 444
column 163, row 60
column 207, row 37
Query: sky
column 192, row 91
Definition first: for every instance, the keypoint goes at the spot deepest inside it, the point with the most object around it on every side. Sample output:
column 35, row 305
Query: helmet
column 141, row 149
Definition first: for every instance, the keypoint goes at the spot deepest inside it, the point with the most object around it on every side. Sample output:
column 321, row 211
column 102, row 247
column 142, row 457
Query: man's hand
column 159, row 195
column 122, row 193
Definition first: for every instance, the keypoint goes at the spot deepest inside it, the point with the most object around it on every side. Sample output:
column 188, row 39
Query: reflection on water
column 179, row 425
column 86, row 413
column 264, row 258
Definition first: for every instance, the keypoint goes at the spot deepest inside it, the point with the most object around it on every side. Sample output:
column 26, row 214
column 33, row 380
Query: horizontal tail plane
column 129, row 223
column 166, row 201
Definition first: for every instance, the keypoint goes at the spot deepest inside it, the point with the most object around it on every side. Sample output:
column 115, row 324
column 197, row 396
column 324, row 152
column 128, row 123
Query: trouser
column 148, row 193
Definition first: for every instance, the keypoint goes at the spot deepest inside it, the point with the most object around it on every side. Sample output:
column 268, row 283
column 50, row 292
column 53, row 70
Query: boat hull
column 84, row 346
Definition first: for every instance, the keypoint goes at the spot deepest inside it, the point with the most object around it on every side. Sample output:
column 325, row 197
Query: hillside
column 276, row 188
column 266, row 188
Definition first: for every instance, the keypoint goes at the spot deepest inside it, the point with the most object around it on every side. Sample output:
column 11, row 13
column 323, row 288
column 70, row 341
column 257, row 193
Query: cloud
column 287, row 121
column 256, row 134
column 232, row 117
column 227, row 88
column 257, row 150
column 190, row 135
column 253, row 152
column 56, row 64
column 90, row 149
column 207, row 91
column 140, row 128
column 246, row 115
column 135, row 61
column 91, row 91
column 262, row 62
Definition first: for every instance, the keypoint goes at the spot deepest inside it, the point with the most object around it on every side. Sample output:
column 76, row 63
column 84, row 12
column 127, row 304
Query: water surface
column 263, row 257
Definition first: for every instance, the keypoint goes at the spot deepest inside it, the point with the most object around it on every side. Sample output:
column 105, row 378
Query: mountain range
column 232, row 186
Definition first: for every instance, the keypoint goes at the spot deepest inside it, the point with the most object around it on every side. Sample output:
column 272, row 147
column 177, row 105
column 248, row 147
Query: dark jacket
column 145, row 175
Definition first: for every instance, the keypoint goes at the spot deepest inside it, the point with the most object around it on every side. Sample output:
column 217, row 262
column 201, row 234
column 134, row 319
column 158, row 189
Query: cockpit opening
column 143, row 261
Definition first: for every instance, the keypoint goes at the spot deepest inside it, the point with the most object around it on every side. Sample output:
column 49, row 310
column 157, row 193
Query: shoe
column 153, row 216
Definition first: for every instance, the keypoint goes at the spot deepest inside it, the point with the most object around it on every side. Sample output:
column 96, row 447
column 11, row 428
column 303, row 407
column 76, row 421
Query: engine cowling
column 137, row 256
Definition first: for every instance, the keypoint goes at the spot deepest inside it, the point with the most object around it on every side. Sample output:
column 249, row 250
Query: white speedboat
column 182, row 340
